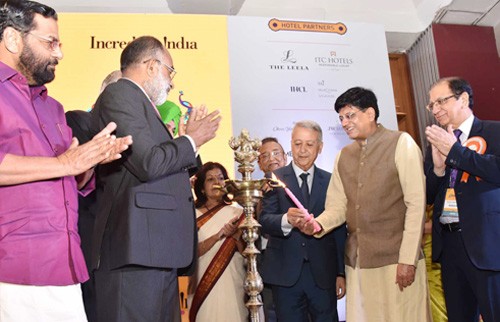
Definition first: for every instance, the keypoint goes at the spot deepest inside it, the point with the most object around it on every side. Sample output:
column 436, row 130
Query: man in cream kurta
column 378, row 188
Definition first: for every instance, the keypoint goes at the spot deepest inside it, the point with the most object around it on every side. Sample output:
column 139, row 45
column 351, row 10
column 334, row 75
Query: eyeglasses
column 349, row 116
column 54, row 43
column 440, row 102
column 171, row 70
column 267, row 156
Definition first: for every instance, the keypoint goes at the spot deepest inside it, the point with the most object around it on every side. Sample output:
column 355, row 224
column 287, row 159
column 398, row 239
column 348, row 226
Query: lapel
column 318, row 185
column 158, row 118
column 477, row 127
column 318, row 189
column 156, row 115
column 476, row 130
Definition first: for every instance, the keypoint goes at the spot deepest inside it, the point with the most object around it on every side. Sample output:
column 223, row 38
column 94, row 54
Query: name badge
column 450, row 208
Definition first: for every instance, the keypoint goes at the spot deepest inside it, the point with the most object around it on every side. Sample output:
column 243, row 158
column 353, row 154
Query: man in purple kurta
column 41, row 263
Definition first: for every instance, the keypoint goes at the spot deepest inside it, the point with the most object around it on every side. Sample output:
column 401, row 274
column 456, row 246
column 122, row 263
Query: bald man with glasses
column 145, row 229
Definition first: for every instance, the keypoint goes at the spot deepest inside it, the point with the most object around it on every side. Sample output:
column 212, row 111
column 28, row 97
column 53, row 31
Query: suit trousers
column 135, row 293
column 305, row 301
column 468, row 291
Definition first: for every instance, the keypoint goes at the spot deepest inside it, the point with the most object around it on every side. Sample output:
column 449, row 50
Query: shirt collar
column 466, row 127
column 8, row 73
column 374, row 137
column 39, row 91
column 298, row 171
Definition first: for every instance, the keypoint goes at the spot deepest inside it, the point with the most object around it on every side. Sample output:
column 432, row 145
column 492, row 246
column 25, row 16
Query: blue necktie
column 304, row 187
column 454, row 172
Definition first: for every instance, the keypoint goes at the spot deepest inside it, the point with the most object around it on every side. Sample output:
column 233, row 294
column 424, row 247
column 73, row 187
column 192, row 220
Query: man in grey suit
column 306, row 274
column 145, row 227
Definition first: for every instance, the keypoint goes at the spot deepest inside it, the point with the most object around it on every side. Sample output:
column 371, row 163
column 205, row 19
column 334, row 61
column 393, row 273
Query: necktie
column 454, row 172
column 304, row 187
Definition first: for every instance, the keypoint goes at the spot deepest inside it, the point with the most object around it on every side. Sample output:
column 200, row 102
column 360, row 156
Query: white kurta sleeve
column 409, row 163
column 335, row 204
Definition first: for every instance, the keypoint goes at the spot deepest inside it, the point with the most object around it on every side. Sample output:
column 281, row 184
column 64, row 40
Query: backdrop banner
column 198, row 44
column 263, row 74
column 283, row 71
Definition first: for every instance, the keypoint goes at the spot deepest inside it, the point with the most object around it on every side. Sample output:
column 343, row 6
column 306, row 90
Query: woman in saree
column 216, row 288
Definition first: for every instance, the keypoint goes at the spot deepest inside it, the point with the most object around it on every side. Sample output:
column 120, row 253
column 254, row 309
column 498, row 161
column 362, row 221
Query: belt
column 451, row 227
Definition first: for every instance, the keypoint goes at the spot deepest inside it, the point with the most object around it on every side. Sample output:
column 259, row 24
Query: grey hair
column 311, row 125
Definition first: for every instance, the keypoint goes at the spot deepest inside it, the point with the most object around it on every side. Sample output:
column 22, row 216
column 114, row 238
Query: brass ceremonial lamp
column 247, row 193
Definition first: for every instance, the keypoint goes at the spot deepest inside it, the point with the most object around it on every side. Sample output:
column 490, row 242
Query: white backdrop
column 280, row 77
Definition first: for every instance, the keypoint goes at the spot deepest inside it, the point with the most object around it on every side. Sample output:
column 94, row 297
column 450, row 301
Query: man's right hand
column 296, row 217
column 311, row 227
column 201, row 127
column 103, row 148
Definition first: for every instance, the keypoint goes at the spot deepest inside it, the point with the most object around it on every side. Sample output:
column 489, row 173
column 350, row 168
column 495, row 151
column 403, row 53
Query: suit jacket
column 478, row 200
column 146, row 212
column 79, row 122
column 282, row 261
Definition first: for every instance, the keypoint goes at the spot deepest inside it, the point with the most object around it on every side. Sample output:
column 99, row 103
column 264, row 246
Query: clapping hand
column 201, row 126
column 103, row 148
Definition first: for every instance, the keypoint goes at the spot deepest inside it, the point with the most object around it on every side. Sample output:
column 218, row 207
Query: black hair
column 459, row 85
column 269, row 139
column 20, row 14
column 139, row 50
column 359, row 97
column 199, row 183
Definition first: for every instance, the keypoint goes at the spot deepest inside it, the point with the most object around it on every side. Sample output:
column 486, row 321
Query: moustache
column 54, row 63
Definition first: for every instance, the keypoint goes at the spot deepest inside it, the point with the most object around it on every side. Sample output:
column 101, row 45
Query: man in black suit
column 462, row 171
column 79, row 122
column 145, row 226
column 271, row 157
column 306, row 274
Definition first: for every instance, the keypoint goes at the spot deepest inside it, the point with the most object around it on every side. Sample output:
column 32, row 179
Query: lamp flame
column 275, row 182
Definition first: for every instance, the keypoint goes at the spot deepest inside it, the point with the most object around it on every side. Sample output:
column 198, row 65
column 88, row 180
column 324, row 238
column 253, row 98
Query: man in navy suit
column 306, row 274
column 464, row 186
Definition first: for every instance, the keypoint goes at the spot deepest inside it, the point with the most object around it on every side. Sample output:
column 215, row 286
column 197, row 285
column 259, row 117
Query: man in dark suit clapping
column 462, row 171
column 145, row 226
